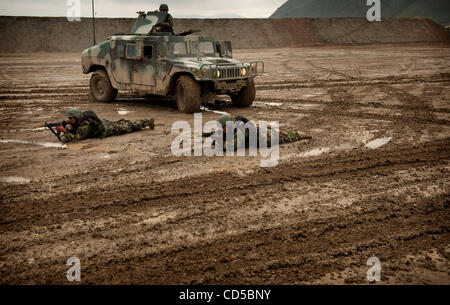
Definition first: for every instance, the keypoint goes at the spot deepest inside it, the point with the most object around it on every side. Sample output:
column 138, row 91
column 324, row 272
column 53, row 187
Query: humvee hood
column 194, row 61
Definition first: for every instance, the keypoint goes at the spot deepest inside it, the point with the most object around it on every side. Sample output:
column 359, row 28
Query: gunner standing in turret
column 167, row 24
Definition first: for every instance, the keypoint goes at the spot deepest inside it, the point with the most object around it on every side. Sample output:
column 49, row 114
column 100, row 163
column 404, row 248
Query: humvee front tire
column 245, row 97
column 187, row 95
column 101, row 89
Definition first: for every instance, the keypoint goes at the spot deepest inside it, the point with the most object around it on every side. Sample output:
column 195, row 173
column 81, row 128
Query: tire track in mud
column 350, row 103
column 443, row 78
column 330, row 72
column 140, row 195
column 309, row 247
column 340, row 107
column 415, row 109
column 418, row 108
column 7, row 93
column 297, row 253
column 159, row 253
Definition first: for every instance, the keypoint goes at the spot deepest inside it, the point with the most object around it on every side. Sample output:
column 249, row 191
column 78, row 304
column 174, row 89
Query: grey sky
column 124, row 8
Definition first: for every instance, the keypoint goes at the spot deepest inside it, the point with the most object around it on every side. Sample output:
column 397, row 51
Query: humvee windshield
column 196, row 48
column 178, row 48
column 202, row 47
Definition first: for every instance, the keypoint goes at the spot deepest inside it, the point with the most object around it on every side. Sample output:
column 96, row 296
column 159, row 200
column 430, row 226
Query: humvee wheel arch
column 101, row 88
column 245, row 97
column 187, row 94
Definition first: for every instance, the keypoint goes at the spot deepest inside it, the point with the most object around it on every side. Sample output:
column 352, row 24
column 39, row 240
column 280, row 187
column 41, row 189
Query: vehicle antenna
column 93, row 21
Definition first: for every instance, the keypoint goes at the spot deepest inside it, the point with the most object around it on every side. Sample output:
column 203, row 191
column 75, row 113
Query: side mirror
column 224, row 48
column 229, row 49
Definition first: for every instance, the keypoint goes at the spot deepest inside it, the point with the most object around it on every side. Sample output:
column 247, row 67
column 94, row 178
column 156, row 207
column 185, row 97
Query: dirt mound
column 57, row 34
column 436, row 10
column 392, row 30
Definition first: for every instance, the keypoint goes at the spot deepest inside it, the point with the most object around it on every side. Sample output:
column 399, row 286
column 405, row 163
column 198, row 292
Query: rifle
column 56, row 133
column 185, row 33
column 207, row 134
column 214, row 135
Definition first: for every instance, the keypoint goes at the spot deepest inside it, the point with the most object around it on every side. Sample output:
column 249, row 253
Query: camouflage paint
column 157, row 75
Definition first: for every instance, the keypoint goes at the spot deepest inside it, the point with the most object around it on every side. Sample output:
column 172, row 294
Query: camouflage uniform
column 124, row 126
column 284, row 136
column 167, row 25
column 89, row 127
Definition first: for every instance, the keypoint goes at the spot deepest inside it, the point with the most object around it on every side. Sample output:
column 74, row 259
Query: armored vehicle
column 190, row 68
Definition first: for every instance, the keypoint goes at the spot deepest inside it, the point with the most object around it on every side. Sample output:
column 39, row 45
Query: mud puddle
column 378, row 142
column 204, row 108
column 267, row 104
column 319, row 151
column 44, row 144
column 20, row 180
column 123, row 111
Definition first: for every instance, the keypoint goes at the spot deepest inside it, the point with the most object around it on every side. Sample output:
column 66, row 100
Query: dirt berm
column 32, row 34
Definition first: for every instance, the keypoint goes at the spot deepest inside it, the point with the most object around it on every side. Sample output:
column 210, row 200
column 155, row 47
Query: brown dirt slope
column 33, row 34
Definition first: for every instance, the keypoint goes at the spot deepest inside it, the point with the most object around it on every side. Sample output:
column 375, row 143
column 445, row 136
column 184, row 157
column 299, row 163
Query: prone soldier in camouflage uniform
column 284, row 136
column 83, row 125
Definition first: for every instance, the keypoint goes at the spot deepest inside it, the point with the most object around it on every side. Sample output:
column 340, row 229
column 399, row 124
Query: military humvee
column 191, row 68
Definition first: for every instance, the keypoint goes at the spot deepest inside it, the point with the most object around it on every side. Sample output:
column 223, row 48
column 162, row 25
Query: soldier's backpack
column 90, row 115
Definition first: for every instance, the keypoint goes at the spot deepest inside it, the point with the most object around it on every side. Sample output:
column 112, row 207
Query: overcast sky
column 128, row 8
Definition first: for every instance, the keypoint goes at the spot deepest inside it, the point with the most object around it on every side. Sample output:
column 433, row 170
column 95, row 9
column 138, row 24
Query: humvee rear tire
column 245, row 97
column 101, row 89
column 187, row 95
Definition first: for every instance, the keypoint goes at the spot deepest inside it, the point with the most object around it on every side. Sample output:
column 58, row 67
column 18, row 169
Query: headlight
column 218, row 73
column 204, row 70
column 243, row 71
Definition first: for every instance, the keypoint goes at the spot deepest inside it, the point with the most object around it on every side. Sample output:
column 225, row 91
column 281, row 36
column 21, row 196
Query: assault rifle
column 214, row 134
column 56, row 133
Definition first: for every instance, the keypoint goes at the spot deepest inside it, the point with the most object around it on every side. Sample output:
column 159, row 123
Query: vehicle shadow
column 219, row 103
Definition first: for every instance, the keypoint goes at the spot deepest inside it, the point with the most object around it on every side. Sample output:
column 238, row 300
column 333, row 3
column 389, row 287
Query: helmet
column 223, row 119
column 164, row 7
column 73, row 113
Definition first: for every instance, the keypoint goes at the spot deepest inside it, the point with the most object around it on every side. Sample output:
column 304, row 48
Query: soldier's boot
column 150, row 123
column 138, row 125
column 304, row 135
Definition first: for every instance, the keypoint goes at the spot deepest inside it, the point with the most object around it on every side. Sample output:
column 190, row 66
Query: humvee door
column 143, row 67
column 133, row 62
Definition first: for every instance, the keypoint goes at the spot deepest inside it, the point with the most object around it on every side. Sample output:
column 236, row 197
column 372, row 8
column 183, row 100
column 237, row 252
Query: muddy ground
column 373, row 181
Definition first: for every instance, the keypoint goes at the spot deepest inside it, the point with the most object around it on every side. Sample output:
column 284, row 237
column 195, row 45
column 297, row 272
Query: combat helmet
column 164, row 7
column 223, row 119
column 73, row 113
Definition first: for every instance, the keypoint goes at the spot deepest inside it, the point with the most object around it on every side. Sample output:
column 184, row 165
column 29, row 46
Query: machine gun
column 51, row 125
column 185, row 33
